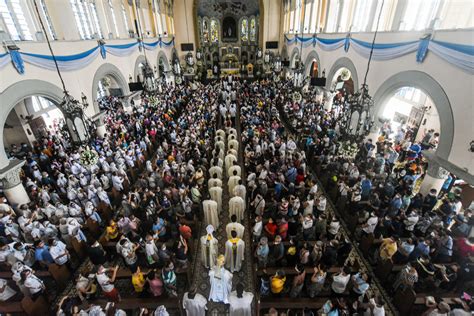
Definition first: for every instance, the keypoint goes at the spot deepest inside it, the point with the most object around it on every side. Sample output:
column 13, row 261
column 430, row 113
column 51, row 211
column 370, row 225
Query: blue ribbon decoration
column 423, row 49
column 103, row 51
column 17, row 61
column 347, row 42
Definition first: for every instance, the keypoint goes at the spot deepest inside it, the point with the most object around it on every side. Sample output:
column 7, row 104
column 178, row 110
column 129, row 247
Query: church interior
column 237, row 157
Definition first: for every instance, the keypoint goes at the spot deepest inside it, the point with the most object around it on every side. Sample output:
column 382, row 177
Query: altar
column 230, row 65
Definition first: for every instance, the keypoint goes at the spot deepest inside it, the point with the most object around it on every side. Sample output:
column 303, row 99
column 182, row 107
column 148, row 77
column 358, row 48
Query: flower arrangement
column 297, row 97
column 89, row 157
column 348, row 150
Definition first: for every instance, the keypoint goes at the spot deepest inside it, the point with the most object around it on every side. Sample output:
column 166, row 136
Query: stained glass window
column 205, row 31
column 214, row 31
column 244, row 30
column 253, row 30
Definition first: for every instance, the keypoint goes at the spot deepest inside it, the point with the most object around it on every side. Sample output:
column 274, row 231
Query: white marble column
column 12, row 186
column 434, row 178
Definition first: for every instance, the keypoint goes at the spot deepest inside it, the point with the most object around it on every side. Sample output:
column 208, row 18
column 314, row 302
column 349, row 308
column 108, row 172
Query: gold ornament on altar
column 249, row 68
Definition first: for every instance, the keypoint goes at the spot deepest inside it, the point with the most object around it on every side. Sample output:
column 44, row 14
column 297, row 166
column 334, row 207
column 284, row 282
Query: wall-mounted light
column 471, row 149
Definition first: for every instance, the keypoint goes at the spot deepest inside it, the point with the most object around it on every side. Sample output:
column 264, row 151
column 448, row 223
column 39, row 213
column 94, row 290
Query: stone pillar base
column 429, row 183
column 101, row 131
column 12, row 186
column 17, row 196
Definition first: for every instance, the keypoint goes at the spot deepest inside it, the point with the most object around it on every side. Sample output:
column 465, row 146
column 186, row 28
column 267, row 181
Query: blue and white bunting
column 459, row 55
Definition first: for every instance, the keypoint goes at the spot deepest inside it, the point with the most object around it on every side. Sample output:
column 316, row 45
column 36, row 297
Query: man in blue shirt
column 42, row 254
column 360, row 283
column 366, row 187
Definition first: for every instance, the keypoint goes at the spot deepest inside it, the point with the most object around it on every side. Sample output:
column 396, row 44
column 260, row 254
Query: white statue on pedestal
column 221, row 282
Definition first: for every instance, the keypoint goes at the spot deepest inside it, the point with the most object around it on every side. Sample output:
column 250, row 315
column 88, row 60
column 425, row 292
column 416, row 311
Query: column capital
column 99, row 119
column 10, row 175
column 434, row 167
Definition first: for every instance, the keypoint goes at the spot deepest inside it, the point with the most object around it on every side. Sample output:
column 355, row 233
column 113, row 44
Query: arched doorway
column 17, row 92
column 430, row 87
column 295, row 58
column 311, row 65
column 139, row 75
column 413, row 111
column 336, row 69
column 33, row 118
column 342, row 81
column 163, row 65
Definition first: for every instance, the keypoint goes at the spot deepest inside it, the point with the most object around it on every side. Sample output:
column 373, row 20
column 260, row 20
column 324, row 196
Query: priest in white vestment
column 234, row 252
column 211, row 215
column 216, row 161
column 229, row 162
column 194, row 303
column 220, row 133
column 209, row 246
column 215, row 170
column 232, row 131
column 233, row 152
column 234, row 226
column 237, row 208
column 221, row 282
column 220, row 144
column 240, row 302
column 234, row 144
column 216, row 195
column 232, row 183
column 240, row 190
column 215, row 182
column 235, row 168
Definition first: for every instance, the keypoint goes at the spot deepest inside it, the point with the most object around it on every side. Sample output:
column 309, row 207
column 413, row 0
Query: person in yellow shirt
column 138, row 281
column 278, row 282
column 112, row 231
column 388, row 248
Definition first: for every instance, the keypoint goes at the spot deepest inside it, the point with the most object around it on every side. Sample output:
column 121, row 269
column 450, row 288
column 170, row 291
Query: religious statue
column 209, row 246
column 234, row 252
column 221, row 282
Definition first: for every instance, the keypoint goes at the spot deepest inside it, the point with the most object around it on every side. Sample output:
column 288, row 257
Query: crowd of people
column 139, row 186
column 131, row 199
column 375, row 185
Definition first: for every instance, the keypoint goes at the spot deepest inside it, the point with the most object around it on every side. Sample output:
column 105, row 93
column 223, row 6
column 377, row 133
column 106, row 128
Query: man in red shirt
column 185, row 231
column 270, row 229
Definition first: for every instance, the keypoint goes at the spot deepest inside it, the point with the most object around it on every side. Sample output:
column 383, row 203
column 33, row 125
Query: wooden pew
column 134, row 303
column 61, row 275
column 292, row 271
column 40, row 274
column 290, row 303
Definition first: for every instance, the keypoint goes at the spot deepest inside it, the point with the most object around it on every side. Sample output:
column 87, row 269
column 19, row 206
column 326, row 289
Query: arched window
column 244, row 30
column 205, row 31
column 253, row 30
column 214, row 31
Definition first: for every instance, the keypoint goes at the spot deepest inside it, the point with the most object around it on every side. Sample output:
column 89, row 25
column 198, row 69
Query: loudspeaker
column 319, row 82
column 187, row 47
column 271, row 45
column 135, row 86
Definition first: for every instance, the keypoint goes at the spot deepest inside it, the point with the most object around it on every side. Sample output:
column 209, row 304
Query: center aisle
column 245, row 275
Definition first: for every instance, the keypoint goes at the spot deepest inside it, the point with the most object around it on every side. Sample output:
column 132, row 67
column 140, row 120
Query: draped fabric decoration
column 384, row 51
column 17, row 61
column 77, row 61
column 4, row 60
column 347, row 43
column 103, row 50
column 459, row 55
column 423, row 48
column 65, row 63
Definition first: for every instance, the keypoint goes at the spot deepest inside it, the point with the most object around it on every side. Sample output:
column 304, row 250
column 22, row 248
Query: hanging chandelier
column 360, row 102
column 77, row 125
